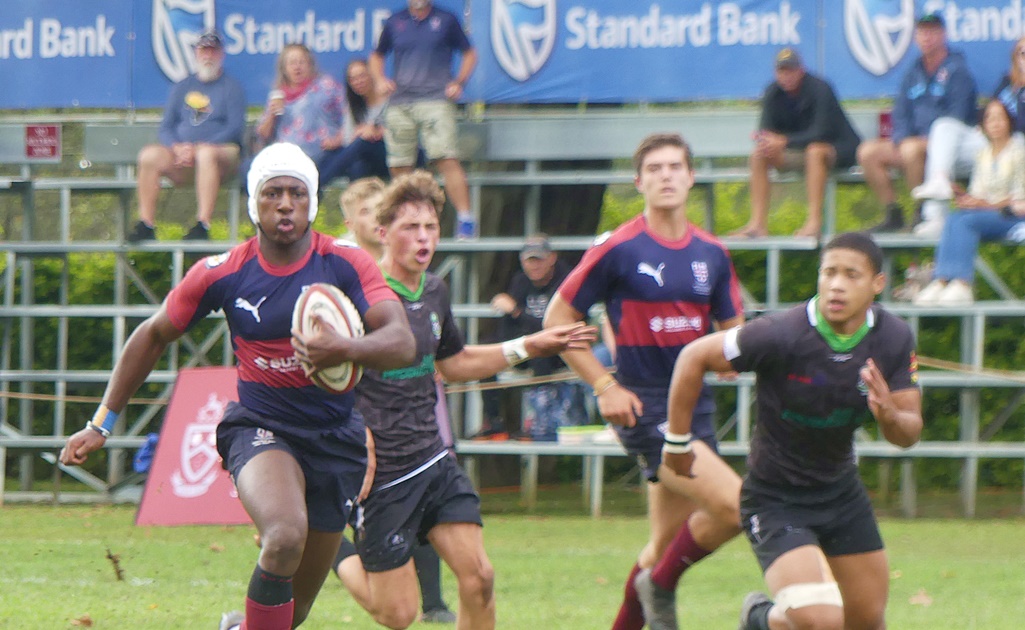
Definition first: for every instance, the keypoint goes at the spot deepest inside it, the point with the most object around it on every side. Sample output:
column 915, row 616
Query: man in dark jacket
column 802, row 126
column 939, row 84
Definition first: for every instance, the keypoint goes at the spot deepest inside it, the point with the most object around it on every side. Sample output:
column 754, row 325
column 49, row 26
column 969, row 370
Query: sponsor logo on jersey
column 675, row 324
column 647, row 269
column 177, row 24
column 877, row 35
column 283, row 365
column 522, row 35
column 253, row 309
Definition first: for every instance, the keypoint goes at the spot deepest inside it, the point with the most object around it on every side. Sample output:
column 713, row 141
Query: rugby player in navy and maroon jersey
column 297, row 453
column 664, row 283
column 420, row 493
column 823, row 369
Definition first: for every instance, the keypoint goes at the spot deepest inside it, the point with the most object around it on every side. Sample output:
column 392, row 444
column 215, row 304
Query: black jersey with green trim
column 398, row 405
column 810, row 395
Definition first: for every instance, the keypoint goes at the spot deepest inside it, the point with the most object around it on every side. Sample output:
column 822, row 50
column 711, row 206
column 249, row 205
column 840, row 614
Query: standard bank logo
column 522, row 35
column 876, row 36
column 177, row 24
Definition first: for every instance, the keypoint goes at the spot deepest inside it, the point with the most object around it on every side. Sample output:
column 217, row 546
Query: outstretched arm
column 698, row 357
column 143, row 349
column 481, row 361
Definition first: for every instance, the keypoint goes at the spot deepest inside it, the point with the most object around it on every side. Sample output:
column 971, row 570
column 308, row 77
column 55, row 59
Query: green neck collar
column 403, row 290
column 835, row 340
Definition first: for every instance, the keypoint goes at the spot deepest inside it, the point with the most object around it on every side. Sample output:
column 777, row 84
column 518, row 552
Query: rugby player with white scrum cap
column 297, row 453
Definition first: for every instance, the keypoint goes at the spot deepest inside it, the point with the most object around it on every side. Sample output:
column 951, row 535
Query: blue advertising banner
column 127, row 53
column 55, row 53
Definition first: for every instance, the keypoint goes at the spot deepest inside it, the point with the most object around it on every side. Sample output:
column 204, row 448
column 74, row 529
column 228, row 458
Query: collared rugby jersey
column 659, row 295
column 398, row 405
column 257, row 299
column 810, row 396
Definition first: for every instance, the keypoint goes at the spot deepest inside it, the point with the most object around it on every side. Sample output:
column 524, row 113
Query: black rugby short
column 393, row 520
column 838, row 519
column 333, row 475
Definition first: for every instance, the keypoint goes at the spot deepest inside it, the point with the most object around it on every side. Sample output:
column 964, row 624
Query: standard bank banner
column 127, row 53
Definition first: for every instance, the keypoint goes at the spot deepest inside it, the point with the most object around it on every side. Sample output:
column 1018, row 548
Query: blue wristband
column 104, row 420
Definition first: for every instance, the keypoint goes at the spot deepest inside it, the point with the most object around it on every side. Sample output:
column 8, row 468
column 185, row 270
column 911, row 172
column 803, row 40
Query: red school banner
column 187, row 484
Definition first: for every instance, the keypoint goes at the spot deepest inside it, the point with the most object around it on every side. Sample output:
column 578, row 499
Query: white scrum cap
column 276, row 160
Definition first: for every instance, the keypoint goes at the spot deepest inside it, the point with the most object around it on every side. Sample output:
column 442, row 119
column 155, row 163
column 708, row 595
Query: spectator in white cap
column 200, row 139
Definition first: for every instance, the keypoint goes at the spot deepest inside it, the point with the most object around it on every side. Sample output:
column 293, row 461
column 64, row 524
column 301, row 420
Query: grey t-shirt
column 398, row 405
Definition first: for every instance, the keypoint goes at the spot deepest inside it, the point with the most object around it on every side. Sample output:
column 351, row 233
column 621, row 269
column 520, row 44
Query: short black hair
column 860, row 242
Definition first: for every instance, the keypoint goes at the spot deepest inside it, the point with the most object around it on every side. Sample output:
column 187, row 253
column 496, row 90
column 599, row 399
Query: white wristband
column 678, row 439
column 676, row 449
column 515, row 350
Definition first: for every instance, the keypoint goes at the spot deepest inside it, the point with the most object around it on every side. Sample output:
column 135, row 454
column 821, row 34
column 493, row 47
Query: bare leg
column 819, row 157
column 912, row 157
column 154, row 162
column 876, row 158
column 455, row 183
column 461, row 546
column 757, row 225
column 214, row 164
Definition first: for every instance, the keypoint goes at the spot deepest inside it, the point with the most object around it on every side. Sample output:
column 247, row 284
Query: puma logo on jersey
column 244, row 304
column 655, row 272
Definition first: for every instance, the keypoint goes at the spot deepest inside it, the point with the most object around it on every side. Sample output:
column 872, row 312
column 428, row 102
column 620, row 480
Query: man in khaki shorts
column 802, row 127
column 421, row 111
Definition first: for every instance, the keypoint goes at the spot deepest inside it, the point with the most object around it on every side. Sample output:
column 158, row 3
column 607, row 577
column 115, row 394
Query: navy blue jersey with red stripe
column 257, row 299
column 659, row 295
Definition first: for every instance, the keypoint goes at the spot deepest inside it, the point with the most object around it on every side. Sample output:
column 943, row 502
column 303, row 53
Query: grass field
column 554, row 572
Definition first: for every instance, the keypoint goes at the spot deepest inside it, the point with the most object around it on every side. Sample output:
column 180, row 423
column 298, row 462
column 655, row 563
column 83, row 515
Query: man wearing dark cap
column 802, row 126
column 938, row 85
column 200, row 139
column 551, row 405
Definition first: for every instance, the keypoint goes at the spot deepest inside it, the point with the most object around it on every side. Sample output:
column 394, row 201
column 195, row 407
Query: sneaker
column 930, row 294
column 231, row 620
column 438, row 615
column 936, row 188
column 893, row 220
column 466, row 228
column 659, row 605
column 752, row 602
column 199, row 232
column 956, row 293
column 141, row 232
column 929, row 229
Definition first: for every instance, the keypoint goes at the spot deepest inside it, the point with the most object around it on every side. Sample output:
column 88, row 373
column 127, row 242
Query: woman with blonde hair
column 304, row 107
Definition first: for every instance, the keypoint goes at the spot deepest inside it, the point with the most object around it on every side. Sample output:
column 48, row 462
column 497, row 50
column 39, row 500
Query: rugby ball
column 338, row 311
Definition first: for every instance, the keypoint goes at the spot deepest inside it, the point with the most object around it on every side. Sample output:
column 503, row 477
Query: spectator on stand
column 422, row 111
column 550, row 405
column 200, row 140
column 938, row 85
column 802, row 126
column 364, row 153
column 305, row 107
column 954, row 145
column 992, row 209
